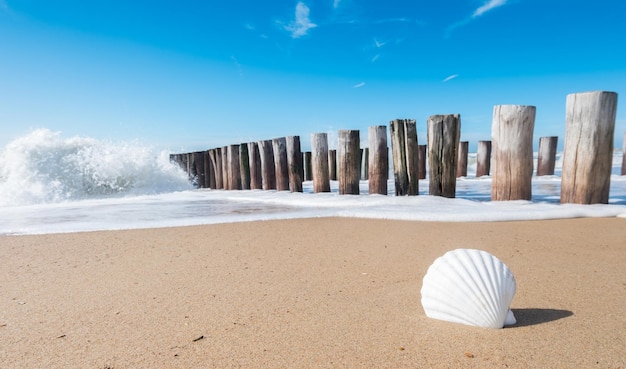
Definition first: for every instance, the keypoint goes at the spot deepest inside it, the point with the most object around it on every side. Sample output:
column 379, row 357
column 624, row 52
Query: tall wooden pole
column 294, row 162
column 319, row 154
column 268, row 170
column 209, row 175
column 256, row 178
column 483, row 159
column 365, row 157
column 216, row 161
column 443, row 143
column 234, row 168
column 421, row 161
column 332, row 164
column 546, row 157
column 198, row 162
column 349, row 153
column 225, row 177
column 512, row 138
column 461, row 163
column 588, row 152
column 308, row 167
column 280, row 163
column 244, row 166
column 405, row 161
column 378, row 160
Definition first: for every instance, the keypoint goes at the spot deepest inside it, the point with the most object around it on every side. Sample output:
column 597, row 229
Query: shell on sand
column 470, row 287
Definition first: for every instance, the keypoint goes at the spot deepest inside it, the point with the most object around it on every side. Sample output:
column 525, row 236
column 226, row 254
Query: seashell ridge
column 470, row 287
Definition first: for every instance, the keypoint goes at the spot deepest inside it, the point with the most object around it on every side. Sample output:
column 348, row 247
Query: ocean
column 54, row 184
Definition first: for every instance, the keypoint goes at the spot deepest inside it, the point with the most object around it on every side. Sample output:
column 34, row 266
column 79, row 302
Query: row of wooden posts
column 279, row 164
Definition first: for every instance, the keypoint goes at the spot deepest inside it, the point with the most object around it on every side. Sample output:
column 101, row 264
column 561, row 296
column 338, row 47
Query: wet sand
column 307, row 293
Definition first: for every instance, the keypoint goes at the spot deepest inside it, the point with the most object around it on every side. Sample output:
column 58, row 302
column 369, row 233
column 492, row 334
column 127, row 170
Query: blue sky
column 192, row 75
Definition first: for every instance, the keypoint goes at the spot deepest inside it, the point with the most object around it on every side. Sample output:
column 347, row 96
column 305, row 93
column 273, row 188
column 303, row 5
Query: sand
column 307, row 293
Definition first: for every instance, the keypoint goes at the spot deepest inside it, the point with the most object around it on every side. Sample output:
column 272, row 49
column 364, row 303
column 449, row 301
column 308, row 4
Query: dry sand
column 311, row 293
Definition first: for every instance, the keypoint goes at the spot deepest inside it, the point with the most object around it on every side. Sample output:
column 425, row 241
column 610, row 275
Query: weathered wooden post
column 365, row 154
column 332, row 164
column 308, row 168
column 443, row 143
column 421, row 161
column 512, row 138
column 244, row 166
column 294, row 163
column 216, row 162
column 624, row 156
column 483, row 159
column 268, row 170
column 234, row 168
column 546, row 157
column 225, row 176
column 319, row 154
column 209, row 170
column 349, row 153
column 198, row 162
column 588, row 152
column 280, row 163
column 256, row 179
column 461, row 163
column 191, row 168
column 405, row 160
column 378, row 160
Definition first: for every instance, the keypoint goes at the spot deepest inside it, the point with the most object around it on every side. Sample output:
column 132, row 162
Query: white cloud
column 379, row 44
column 301, row 24
column 336, row 3
column 448, row 78
column 358, row 85
column 491, row 4
column 376, row 57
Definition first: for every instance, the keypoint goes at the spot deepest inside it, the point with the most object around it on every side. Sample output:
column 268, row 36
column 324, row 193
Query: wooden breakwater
column 279, row 164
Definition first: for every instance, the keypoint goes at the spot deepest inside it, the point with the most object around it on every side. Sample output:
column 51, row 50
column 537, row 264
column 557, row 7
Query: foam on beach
column 49, row 184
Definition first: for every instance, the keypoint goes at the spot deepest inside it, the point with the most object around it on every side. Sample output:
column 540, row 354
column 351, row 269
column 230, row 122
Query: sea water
column 51, row 184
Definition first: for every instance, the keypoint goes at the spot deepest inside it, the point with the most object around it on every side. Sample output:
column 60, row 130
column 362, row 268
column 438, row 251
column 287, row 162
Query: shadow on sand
column 526, row 317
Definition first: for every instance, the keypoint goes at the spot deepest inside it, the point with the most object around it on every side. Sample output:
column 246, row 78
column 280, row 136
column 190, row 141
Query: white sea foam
column 49, row 184
column 44, row 167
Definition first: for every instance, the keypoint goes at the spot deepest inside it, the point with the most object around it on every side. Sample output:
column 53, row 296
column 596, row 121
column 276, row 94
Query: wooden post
column 443, row 143
column 421, row 161
column 512, row 137
column 209, row 171
column 244, row 166
column 234, row 168
column 280, row 163
column 225, row 176
column 308, row 168
column 294, row 162
column 349, row 153
column 319, row 159
column 198, row 162
column 256, row 178
column 191, row 168
column 624, row 155
column 483, row 159
column 405, row 160
column 546, row 158
column 332, row 164
column 216, row 162
column 461, row 163
column 378, row 160
column 588, row 152
column 268, row 170
column 365, row 154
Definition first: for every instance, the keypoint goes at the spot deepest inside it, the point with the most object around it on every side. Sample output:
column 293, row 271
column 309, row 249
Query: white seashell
column 469, row 287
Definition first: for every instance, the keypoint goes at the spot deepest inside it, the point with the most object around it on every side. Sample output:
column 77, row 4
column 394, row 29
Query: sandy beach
column 307, row 293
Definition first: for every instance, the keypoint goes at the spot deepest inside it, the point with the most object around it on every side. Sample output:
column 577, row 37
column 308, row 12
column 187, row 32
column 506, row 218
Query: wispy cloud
column 449, row 78
column 336, row 3
column 376, row 57
column 4, row 6
column 379, row 44
column 301, row 25
column 491, row 4
column 486, row 7
column 359, row 85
